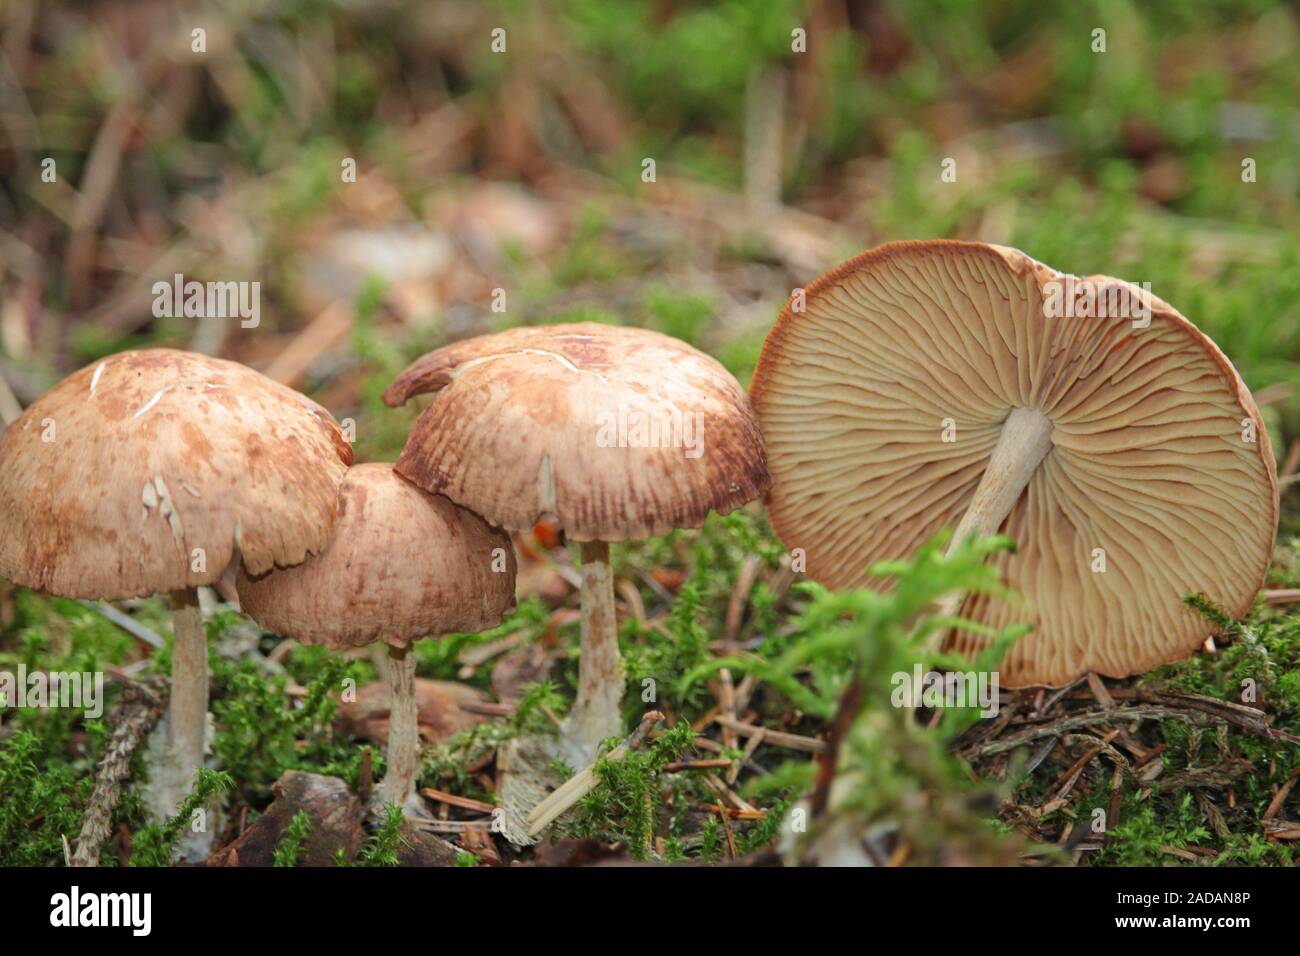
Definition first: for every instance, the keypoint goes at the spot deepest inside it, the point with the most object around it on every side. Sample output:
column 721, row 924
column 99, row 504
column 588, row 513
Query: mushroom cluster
column 917, row 387
column 931, row 385
column 156, row 471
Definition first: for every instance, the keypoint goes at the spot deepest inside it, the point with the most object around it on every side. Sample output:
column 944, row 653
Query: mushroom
column 149, row 472
column 926, row 385
column 621, row 433
column 402, row 564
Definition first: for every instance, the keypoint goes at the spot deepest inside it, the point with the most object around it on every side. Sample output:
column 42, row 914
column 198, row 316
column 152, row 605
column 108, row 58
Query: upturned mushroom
column 402, row 564
column 926, row 385
column 149, row 472
column 621, row 433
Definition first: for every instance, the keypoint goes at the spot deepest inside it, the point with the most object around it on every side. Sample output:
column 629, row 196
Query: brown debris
column 335, row 813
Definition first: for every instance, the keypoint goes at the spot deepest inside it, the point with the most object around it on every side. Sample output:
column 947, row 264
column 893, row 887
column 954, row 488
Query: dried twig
column 677, row 766
column 326, row 331
column 451, row 799
column 1099, row 691
column 1190, row 708
column 809, row 745
column 726, row 824
column 828, row 759
column 734, row 773
column 140, row 709
column 722, row 790
column 727, row 704
column 1212, row 813
column 125, row 622
column 1279, row 798
column 740, row 597
column 1071, row 773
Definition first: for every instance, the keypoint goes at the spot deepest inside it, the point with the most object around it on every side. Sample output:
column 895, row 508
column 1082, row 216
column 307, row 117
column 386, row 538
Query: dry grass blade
column 140, row 710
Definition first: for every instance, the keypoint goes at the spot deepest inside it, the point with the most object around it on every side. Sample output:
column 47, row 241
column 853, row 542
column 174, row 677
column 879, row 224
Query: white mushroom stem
column 597, row 712
column 188, row 708
column 403, row 728
column 1025, row 441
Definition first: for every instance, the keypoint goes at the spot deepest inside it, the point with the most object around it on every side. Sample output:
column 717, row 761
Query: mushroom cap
column 1150, row 457
column 620, row 432
column 112, row 479
column 402, row 564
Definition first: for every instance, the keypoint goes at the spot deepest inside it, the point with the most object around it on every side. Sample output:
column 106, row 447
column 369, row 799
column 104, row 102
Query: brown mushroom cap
column 402, row 564
column 1151, row 457
column 559, row 419
column 111, row 480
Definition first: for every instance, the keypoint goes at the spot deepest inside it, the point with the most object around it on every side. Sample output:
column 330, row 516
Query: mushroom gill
column 947, row 384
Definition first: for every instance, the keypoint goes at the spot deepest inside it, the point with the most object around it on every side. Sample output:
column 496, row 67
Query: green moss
column 155, row 844
column 626, row 803
column 42, row 802
column 382, row 846
column 261, row 733
column 292, row 839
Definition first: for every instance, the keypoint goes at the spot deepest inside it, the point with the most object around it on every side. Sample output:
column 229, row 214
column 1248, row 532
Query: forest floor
column 503, row 191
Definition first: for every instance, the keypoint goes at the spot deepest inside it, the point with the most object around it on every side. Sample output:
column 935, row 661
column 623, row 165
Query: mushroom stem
column 597, row 713
column 403, row 728
column 1025, row 441
column 188, row 708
